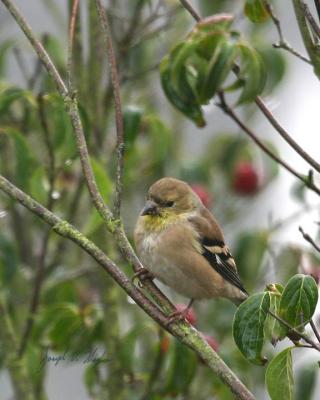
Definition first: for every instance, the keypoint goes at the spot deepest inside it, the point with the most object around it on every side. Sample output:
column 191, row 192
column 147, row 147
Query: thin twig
column 309, row 239
column 187, row 334
column 190, row 9
column 303, row 336
column 228, row 110
column 72, row 26
column 283, row 44
column 315, row 330
column 285, row 135
column 117, row 101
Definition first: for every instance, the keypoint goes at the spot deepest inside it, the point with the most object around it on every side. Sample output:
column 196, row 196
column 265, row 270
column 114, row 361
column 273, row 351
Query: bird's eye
column 169, row 203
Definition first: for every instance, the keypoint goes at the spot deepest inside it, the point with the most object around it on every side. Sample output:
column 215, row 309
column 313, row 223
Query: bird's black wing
column 221, row 261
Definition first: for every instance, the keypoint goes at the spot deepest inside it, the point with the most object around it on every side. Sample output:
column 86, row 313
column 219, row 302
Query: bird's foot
column 180, row 315
column 175, row 317
column 142, row 274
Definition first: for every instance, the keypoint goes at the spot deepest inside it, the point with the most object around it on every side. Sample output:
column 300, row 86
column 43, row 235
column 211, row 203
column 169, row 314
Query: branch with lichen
column 183, row 331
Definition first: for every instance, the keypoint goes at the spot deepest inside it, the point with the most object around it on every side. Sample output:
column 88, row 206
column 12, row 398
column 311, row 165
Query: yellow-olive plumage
column 179, row 241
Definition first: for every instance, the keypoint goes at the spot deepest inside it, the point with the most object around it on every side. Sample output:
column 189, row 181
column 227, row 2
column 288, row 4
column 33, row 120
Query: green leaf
column 219, row 68
column 248, row 326
column 275, row 65
column 253, row 72
column 256, row 10
column 272, row 326
column 189, row 108
column 66, row 325
column 279, row 376
column 298, row 302
column 178, row 58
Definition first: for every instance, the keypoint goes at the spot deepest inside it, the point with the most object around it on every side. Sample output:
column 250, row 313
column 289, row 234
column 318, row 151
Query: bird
column 180, row 243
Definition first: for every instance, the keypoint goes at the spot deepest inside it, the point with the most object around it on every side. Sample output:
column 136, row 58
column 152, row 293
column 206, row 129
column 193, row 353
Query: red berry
column 191, row 316
column 245, row 179
column 211, row 341
column 203, row 193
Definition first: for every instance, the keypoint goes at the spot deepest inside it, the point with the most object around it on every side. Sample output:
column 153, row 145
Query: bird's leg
column 178, row 316
column 142, row 274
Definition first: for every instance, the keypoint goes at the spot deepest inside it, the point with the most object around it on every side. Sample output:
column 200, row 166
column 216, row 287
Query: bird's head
column 169, row 198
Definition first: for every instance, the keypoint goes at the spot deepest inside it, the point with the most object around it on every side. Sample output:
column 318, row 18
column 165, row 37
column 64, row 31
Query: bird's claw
column 177, row 316
column 142, row 274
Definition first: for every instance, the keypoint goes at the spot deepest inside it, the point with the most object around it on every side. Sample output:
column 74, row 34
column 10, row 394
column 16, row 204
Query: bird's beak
column 150, row 208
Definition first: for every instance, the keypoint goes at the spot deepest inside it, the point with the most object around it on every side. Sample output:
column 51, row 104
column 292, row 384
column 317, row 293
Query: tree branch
column 228, row 110
column 315, row 330
column 72, row 27
column 296, row 332
column 285, row 135
column 183, row 331
column 283, row 44
column 309, row 239
column 117, row 101
column 190, row 9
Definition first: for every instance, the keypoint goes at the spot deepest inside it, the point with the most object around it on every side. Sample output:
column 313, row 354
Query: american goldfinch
column 180, row 243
